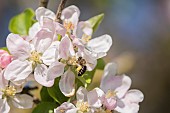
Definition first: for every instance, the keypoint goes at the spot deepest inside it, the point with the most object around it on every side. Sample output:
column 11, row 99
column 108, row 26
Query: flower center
column 35, row 57
column 86, row 38
column 110, row 94
column 83, row 107
column 69, row 26
column 9, row 91
column 101, row 110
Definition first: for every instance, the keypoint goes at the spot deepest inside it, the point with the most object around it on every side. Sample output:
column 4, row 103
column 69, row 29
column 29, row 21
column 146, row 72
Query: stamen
column 9, row 91
column 83, row 106
column 35, row 57
column 110, row 94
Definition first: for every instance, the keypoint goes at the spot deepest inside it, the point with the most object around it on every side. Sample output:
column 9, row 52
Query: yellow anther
column 69, row 26
column 9, row 91
column 35, row 57
column 110, row 94
column 86, row 38
column 83, row 107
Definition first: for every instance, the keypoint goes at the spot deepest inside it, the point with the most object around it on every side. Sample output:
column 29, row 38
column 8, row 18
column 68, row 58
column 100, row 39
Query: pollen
column 69, row 26
column 110, row 94
column 35, row 57
column 9, row 91
column 83, row 107
column 86, row 38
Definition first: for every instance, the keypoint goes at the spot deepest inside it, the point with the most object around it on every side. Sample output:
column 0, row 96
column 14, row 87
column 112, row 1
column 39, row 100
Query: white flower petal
column 49, row 55
column 43, row 40
column 71, row 13
column 34, row 30
column 81, row 94
column 42, row 12
column 55, row 70
column 67, row 107
column 18, row 47
column 134, row 96
column 3, row 81
column 40, row 75
column 22, row 101
column 94, row 97
column 4, row 107
column 18, row 70
column 110, row 70
column 67, row 83
column 100, row 45
column 66, row 48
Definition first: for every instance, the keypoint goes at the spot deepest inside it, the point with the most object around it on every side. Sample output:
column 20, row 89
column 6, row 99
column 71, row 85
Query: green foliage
column 95, row 21
column 21, row 23
column 55, row 92
column 88, row 76
column 5, row 48
column 45, row 97
column 45, row 107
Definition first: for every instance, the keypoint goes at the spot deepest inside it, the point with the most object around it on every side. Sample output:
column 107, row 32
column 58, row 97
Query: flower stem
column 59, row 11
column 43, row 3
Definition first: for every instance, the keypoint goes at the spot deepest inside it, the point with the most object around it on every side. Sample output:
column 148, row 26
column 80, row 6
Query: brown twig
column 59, row 11
column 43, row 3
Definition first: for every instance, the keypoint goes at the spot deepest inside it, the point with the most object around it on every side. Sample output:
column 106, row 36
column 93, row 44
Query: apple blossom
column 30, row 57
column 116, row 94
column 86, row 102
column 9, row 95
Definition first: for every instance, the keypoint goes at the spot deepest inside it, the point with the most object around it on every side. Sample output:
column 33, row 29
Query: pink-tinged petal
column 126, row 106
column 110, row 103
column 118, row 84
column 40, row 75
column 100, row 45
column 34, row 30
column 66, row 48
column 55, row 70
column 60, row 29
column 71, row 14
column 67, row 83
column 81, row 94
column 48, row 23
column 49, row 55
column 110, row 71
column 4, row 107
column 66, row 107
column 42, row 12
column 22, row 101
column 94, row 97
column 5, row 59
column 134, row 96
column 84, row 28
column 3, row 81
column 18, row 70
column 18, row 47
column 43, row 40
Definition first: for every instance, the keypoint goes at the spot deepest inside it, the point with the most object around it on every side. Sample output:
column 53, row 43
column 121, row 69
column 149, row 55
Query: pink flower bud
column 5, row 58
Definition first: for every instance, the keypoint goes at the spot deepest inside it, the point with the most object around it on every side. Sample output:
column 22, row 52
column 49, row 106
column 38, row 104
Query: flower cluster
column 53, row 50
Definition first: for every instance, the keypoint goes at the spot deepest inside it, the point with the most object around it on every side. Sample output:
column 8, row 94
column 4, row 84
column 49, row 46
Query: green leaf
column 21, row 23
column 55, row 92
column 45, row 97
column 45, row 107
column 95, row 21
column 5, row 48
column 100, row 64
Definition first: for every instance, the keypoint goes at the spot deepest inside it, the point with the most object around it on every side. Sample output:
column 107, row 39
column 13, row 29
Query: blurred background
column 141, row 35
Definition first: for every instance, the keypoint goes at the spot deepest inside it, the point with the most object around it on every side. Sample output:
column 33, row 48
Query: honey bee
column 81, row 68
